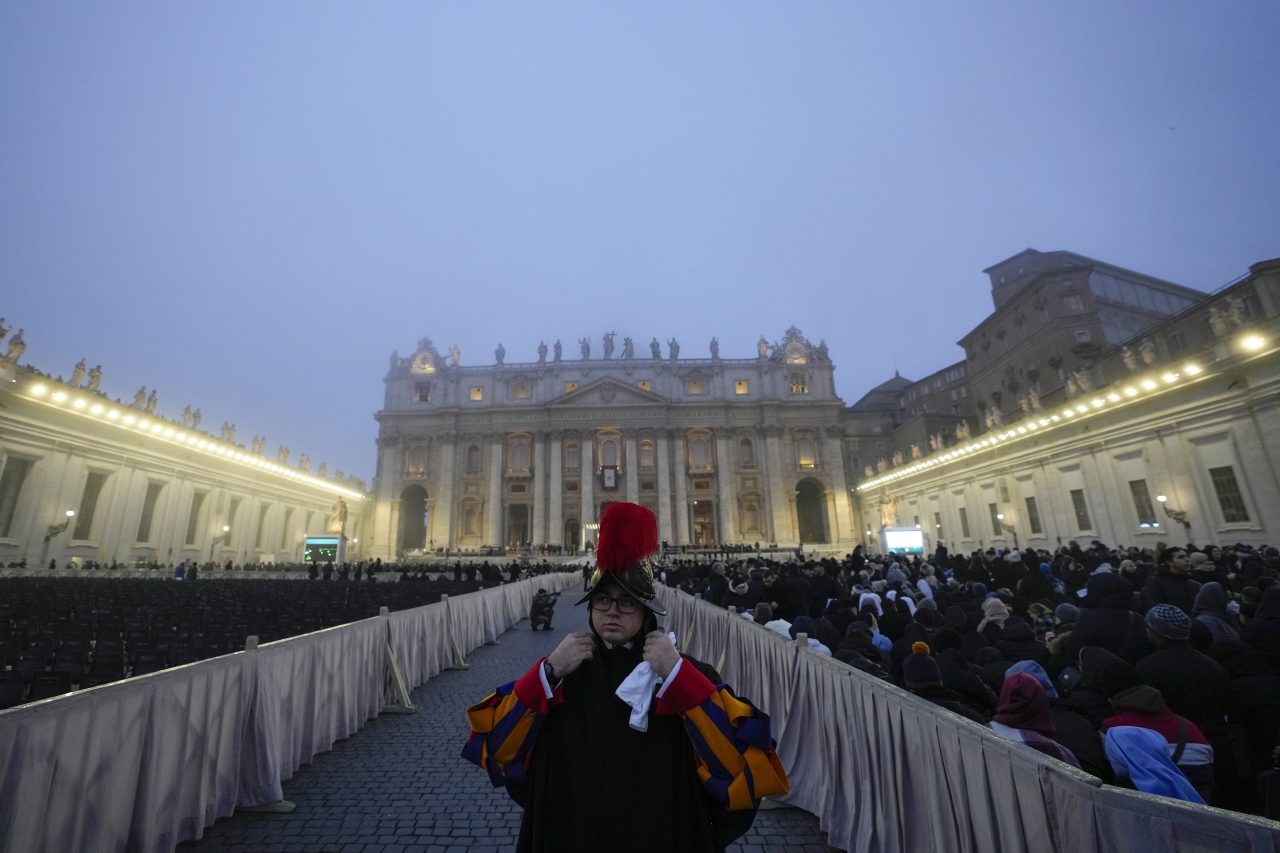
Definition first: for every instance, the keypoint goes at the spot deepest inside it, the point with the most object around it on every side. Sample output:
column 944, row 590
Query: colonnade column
column 679, row 462
column 664, row 489
column 633, row 471
column 555, row 513
column 587, row 455
column 539, row 534
column 834, row 462
column 442, row 501
column 779, row 510
column 493, row 534
column 727, row 494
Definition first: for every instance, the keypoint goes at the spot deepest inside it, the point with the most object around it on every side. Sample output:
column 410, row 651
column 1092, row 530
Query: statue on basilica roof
column 674, row 347
column 151, row 402
column 95, row 378
column 77, row 373
column 655, row 348
column 608, row 344
column 196, row 417
column 584, row 346
column 542, row 352
column 455, row 355
column 139, row 398
column 628, row 349
column 762, row 348
column 715, row 348
column 500, row 354
column 17, row 346
column 557, row 349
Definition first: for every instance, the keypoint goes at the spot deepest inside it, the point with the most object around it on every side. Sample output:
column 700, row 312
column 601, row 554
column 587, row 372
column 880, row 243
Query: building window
column 89, row 504
column 422, row 392
column 747, row 453
column 1072, row 305
column 741, row 387
column 937, row 526
column 517, row 488
column 477, row 393
column 520, row 457
column 415, row 462
column 520, row 391
column 1081, row 509
column 645, row 385
column 15, row 474
column 1142, row 503
column 1033, row 516
column 996, row 525
column 964, row 522
column 700, row 452
column 647, row 485
column 1177, row 344
column 569, row 387
column 473, row 459
column 799, row 382
column 695, row 387
column 646, row 455
column 1082, row 336
column 1229, row 496
column 193, row 517
column 806, row 454
column 609, row 453
column 571, row 486
column 148, row 511
column 571, row 462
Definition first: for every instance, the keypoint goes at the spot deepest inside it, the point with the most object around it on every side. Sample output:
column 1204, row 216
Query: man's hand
column 660, row 652
column 572, row 651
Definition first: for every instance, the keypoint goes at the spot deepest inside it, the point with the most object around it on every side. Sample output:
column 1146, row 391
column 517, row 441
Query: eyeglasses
column 626, row 604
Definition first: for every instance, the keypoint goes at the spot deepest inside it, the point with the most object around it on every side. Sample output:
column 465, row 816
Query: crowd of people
column 1157, row 670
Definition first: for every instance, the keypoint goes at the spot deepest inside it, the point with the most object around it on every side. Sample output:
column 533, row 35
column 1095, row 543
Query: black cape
column 596, row 784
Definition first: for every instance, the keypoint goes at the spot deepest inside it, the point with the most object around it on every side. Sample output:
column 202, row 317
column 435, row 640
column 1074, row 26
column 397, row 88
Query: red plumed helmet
column 628, row 534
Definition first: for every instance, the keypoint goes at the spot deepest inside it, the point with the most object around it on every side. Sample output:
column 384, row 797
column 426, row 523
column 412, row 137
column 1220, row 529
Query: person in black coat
column 1103, row 675
column 1106, row 620
column 1263, row 628
column 1193, row 684
column 1018, row 642
column 1172, row 583
column 922, row 676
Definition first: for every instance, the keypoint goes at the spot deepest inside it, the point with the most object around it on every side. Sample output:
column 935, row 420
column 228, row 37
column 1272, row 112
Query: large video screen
column 904, row 541
column 320, row 549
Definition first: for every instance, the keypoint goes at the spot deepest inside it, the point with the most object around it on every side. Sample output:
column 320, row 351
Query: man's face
column 1179, row 564
column 607, row 617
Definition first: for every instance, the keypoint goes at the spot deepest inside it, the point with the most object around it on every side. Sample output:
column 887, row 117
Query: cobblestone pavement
column 399, row 785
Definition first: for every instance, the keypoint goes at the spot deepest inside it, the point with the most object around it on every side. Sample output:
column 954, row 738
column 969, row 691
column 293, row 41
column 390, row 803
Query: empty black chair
column 12, row 688
column 45, row 685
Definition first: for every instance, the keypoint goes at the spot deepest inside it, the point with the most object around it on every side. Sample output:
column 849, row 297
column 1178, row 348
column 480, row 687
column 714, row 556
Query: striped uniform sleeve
column 504, row 726
column 736, row 762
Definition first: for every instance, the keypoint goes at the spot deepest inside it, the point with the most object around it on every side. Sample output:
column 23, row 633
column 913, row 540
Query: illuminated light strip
column 162, row 431
column 1068, row 412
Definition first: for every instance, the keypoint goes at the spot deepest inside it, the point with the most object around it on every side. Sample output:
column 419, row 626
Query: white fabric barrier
column 885, row 770
column 143, row 764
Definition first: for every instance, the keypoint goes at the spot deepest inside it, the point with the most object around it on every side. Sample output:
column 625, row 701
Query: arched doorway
column 811, row 511
column 413, row 519
column 571, row 531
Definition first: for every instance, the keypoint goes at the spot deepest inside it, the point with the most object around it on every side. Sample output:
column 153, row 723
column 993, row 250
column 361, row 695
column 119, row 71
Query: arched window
column 415, row 462
column 806, row 457
column 609, row 453
column 571, row 462
column 473, row 459
column 700, row 451
column 520, row 456
column 646, row 454
column 747, row 453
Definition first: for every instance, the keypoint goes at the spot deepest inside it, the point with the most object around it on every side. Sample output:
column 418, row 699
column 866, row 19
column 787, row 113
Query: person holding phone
column 615, row 741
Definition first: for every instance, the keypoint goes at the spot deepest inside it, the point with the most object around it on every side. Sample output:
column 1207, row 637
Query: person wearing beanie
column 595, row 741
column 1192, row 684
column 805, row 625
column 922, row 676
column 1074, row 731
column 1188, row 748
column 1172, row 583
column 994, row 614
column 1023, row 715
column 1064, row 618
column 1018, row 642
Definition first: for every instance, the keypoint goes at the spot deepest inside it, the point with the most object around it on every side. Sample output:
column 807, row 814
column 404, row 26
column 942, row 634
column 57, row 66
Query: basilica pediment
column 607, row 392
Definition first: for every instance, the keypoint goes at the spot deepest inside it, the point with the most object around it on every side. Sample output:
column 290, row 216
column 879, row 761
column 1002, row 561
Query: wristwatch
column 549, row 670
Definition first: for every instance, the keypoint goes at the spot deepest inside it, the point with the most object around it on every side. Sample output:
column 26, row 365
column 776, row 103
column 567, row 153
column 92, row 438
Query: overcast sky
column 248, row 206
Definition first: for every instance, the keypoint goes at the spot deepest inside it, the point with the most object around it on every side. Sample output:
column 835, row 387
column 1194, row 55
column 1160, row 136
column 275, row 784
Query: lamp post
column 1177, row 515
column 52, row 531
column 1008, row 528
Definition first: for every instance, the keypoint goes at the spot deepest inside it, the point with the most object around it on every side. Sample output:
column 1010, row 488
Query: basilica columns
column 633, row 471
column 833, row 460
column 555, row 514
column 726, row 493
column 664, row 489
column 441, row 502
column 588, row 507
column 779, row 497
column 539, row 533
column 493, row 532
column 680, row 469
